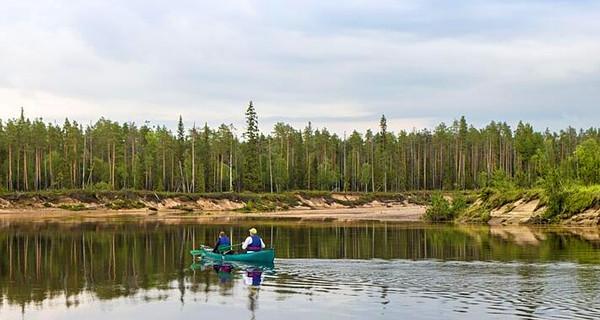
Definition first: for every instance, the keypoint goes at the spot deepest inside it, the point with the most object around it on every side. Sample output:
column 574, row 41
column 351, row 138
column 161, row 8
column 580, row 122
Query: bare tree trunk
column 51, row 171
column 307, row 166
column 133, row 171
column 425, row 167
column 25, row 178
column 372, row 167
column 38, row 171
column 125, row 177
column 45, row 171
column 344, row 165
column 231, row 167
column 18, row 175
column 91, row 156
column 287, row 158
column 10, row 177
column 84, row 162
column 172, row 171
column 183, row 184
column 221, row 172
column 270, row 168
column 164, row 168
column 113, row 164
column 74, row 183
column 193, row 160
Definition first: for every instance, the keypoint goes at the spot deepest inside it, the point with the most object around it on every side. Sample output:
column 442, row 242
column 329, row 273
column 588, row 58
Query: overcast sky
column 340, row 64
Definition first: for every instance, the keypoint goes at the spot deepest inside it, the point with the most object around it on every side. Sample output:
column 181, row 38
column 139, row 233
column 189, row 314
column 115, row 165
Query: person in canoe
column 223, row 244
column 253, row 242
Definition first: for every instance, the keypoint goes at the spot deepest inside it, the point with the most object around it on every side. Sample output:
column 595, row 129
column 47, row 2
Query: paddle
column 228, row 247
column 235, row 245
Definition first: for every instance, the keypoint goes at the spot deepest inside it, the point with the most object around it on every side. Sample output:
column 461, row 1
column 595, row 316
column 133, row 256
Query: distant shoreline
column 500, row 207
column 410, row 213
column 305, row 206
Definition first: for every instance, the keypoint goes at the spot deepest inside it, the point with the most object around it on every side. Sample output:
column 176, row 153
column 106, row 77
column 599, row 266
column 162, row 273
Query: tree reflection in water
column 41, row 261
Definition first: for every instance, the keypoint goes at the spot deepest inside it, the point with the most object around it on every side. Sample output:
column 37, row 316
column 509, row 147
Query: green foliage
column 498, row 180
column 581, row 198
column 459, row 203
column 101, row 186
column 74, row 207
column 122, row 204
column 251, row 179
column 494, row 198
column 588, row 160
column 565, row 201
column 108, row 155
column 555, row 195
column 442, row 210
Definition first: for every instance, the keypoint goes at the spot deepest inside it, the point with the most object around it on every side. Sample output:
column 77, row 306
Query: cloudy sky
column 340, row 64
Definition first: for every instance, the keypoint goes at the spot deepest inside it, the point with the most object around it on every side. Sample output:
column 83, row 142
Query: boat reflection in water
column 224, row 272
column 253, row 276
column 252, row 273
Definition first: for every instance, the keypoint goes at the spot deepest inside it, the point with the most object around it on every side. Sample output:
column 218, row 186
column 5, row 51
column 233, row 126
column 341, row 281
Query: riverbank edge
column 494, row 207
column 324, row 205
column 579, row 206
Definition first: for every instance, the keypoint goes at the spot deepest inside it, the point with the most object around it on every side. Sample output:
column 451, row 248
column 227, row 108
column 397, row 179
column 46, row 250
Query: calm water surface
column 134, row 269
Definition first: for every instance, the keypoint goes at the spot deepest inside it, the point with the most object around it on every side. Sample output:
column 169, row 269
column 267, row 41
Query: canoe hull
column 263, row 256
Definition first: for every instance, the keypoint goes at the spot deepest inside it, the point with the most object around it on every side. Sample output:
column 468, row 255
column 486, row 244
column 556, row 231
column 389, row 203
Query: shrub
column 73, row 207
column 497, row 180
column 555, row 195
column 564, row 202
column 102, row 186
column 442, row 210
column 125, row 204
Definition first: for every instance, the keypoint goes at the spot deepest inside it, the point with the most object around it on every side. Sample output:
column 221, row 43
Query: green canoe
column 264, row 256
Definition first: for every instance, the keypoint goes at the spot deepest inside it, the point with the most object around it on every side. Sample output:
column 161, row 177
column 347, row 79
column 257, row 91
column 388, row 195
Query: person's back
column 223, row 243
column 253, row 242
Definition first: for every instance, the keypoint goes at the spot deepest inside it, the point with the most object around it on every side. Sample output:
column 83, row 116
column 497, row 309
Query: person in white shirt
column 253, row 242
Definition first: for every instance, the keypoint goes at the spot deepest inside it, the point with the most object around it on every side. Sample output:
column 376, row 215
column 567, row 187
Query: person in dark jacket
column 223, row 244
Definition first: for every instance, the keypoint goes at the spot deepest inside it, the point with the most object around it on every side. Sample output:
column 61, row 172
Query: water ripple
column 514, row 290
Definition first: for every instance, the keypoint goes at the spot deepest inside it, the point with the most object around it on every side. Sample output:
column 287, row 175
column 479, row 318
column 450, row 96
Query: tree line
column 107, row 155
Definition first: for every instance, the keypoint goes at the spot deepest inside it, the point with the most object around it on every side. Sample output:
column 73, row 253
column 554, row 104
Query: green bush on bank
column 73, row 207
column 562, row 202
column 442, row 210
column 122, row 204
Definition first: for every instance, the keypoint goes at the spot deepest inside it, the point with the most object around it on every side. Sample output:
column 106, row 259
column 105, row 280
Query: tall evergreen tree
column 251, row 180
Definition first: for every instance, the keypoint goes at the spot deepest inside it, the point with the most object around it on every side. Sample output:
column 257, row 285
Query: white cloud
column 315, row 60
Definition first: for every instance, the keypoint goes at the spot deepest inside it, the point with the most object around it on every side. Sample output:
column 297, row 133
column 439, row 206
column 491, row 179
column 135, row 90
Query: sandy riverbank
column 394, row 213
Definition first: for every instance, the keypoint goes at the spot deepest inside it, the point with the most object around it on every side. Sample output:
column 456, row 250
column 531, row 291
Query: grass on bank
column 571, row 200
column 490, row 198
column 559, row 202
column 73, row 207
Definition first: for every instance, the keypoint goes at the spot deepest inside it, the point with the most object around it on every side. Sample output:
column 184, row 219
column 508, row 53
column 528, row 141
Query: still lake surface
column 133, row 269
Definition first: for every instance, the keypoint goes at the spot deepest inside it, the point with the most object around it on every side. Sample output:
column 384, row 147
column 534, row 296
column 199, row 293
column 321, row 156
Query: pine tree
column 180, row 154
column 251, row 178
column 383, row 161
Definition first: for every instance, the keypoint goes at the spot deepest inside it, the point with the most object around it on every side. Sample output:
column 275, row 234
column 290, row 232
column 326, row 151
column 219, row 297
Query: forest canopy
column 108, row 155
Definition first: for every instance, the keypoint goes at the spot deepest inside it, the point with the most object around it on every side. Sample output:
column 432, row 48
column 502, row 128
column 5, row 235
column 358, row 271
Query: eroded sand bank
column 398, row 213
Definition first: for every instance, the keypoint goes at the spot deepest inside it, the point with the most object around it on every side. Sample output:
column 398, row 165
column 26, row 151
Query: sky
column 340, row 64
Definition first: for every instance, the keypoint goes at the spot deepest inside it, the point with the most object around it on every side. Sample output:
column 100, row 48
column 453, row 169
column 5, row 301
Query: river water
column 133, row 269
